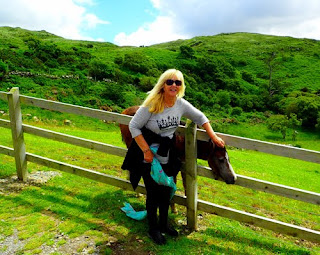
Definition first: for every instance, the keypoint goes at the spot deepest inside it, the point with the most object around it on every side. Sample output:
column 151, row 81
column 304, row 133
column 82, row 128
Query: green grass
column 305, row 139
column 77, row 207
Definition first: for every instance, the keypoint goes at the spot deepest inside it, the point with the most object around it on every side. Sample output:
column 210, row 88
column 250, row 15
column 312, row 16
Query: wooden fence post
column 17, row 133
column 191, row 175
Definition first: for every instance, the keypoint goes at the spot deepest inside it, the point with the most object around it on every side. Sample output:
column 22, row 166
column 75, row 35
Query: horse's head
column 218, row 160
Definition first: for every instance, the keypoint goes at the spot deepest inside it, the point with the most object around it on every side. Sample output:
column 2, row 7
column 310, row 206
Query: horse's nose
column 231, row 180
column 232, row 177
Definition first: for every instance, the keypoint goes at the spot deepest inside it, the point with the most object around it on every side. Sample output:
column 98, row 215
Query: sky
column 148, row 22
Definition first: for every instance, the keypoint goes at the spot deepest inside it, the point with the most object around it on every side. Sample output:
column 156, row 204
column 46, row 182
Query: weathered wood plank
column 267, row 147
column 3, row 96
column 93, row 175
column 6, row 151
column 17, row 133
column 268, row 187
column 5, row 123
column 79, row 110
column 85, row 143
column 278, row 226
column 80, row 171
column 191, row 175
column 240, row 142
column 278, row 189
column 246, row 182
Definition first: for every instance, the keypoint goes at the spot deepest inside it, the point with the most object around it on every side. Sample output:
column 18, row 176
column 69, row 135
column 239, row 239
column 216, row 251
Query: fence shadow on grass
column 259, row 243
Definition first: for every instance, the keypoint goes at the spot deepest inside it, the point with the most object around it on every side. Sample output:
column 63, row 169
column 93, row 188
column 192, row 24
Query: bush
column 138, row 62
column 223, row 98
column 114, row 92
column 146, row 83
column 236, row 111
column 248, row 77
column 3, row 70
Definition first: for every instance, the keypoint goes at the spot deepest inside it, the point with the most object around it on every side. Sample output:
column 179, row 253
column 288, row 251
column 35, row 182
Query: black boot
column 165, row 228
column 169, row 230
column 157, row 237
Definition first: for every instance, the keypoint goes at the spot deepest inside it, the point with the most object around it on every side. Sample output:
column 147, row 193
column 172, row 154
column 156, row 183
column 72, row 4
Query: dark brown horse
column 217, row 157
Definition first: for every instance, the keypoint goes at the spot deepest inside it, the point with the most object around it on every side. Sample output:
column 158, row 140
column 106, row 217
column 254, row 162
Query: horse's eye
column 221, row 159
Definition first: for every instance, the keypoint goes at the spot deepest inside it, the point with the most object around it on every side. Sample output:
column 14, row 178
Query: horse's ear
column 212, row 144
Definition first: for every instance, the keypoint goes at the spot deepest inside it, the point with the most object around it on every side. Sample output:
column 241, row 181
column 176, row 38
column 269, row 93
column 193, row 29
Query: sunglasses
column 170, row 82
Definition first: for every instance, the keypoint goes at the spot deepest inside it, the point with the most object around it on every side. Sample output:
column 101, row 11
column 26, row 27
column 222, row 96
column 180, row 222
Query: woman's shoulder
column 181, row 101
column 143, row 111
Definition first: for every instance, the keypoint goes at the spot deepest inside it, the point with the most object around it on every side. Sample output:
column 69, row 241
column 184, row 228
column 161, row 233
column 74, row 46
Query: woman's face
column 171, row 90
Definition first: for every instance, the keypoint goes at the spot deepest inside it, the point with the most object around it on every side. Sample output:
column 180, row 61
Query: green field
column 70, row 211
column 243, row 82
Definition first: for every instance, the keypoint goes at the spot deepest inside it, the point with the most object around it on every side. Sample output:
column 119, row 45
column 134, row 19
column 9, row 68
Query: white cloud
column 92, row 20
column 65, row 18
column 189, row 18
column 161, row 30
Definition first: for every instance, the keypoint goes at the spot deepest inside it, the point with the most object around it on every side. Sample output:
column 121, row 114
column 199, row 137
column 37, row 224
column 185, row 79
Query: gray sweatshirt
column 166, row 122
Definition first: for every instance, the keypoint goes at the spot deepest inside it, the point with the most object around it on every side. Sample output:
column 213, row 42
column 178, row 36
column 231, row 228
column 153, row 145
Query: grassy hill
column 228, row 77
column 233, row 78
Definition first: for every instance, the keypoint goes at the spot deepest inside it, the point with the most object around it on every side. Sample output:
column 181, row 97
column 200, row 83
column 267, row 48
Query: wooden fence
column 193, row 170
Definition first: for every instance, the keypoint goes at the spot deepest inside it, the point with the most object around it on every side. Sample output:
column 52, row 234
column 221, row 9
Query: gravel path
column 12, row 245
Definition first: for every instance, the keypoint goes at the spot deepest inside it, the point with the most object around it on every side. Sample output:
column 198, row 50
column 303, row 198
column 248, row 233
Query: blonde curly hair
column 155, row 99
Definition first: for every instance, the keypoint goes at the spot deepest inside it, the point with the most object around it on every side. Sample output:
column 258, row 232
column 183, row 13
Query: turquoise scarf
column 160, row 177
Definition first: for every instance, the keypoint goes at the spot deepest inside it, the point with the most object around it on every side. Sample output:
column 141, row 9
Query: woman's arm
column 137, row 122
column 200, row 119
column 147, row 153
column 216, row 139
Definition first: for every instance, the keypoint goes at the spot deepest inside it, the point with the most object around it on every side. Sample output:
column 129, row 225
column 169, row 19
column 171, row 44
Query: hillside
column 229, row 76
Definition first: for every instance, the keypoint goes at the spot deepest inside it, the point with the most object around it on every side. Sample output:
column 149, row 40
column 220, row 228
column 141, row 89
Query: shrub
column 248, row 77
column 236, row 111
column 223, row 98
column 3, row 70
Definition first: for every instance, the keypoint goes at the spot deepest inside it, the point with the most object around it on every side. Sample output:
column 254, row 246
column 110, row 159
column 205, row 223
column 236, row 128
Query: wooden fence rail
column 236, row 141
column 191, row 202
column 244, row 181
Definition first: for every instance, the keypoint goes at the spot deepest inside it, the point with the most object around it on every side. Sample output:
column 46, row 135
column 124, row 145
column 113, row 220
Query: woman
column 154, row 124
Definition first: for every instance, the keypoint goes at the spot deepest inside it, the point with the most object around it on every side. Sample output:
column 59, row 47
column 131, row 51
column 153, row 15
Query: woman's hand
column 147, row 153
column 148, row 156
column 216, row 139
column 219, row 142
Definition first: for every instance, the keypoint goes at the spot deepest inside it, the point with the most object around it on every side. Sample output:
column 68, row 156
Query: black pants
column 158, row 196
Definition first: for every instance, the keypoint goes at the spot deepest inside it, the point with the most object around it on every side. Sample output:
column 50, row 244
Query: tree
column 278, row 123
column 294, row 123
column 186, row 52
column 305, row 105
column 99, row 70
column 272, row 64
column 318, row 122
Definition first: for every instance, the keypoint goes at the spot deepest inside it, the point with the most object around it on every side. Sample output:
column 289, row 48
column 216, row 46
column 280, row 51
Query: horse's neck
column 203, row 149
